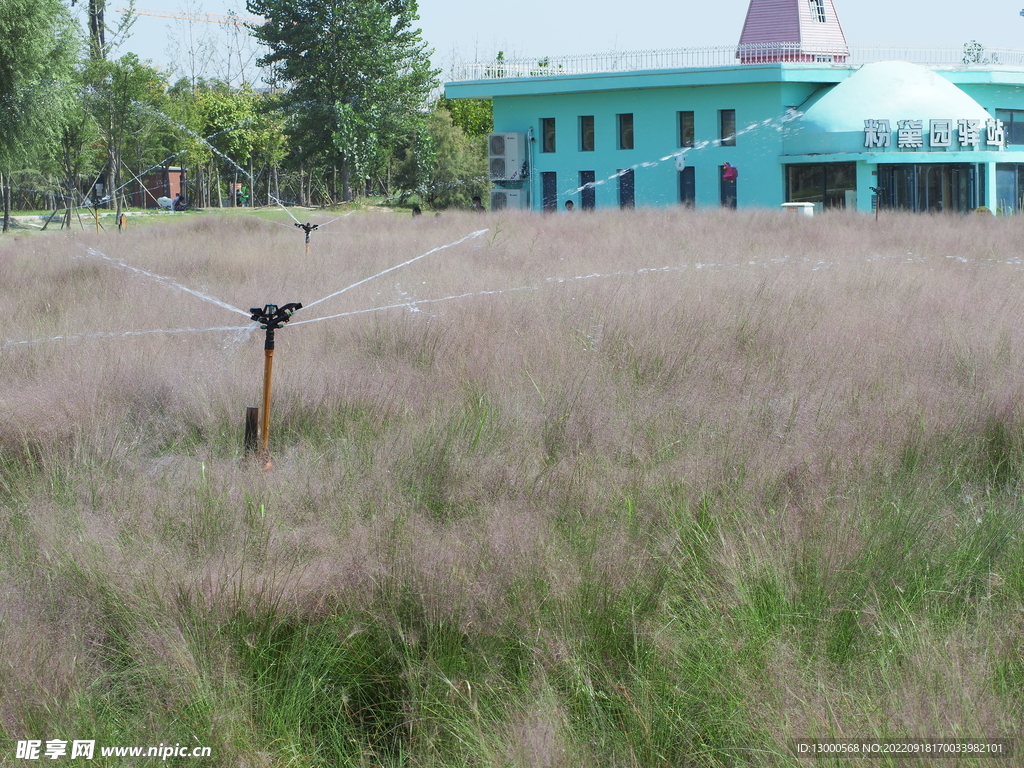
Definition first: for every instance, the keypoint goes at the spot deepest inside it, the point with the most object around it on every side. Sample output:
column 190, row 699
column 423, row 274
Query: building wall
column 760, row 96
column 164, row 182
column 759, row 109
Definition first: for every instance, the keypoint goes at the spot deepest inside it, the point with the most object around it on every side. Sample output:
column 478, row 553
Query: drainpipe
column 530, row 141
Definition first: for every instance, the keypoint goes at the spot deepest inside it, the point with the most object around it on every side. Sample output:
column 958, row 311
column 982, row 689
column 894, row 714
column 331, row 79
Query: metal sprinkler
column 307, row 228
column 270, row 317
column 879, row 193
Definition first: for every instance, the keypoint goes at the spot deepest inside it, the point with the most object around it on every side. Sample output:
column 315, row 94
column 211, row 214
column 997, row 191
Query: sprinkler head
column 288, row 310
column 262, row 314
column 271, row 317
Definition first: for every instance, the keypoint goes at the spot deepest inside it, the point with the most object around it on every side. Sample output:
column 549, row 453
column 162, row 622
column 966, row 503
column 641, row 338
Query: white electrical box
column 507, row 157
column 508, row 198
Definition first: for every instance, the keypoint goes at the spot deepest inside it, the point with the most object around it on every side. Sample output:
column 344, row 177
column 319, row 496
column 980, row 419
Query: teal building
column 791, row 115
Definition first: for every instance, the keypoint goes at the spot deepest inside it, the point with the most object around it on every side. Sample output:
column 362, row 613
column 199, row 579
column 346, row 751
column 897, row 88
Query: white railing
column 734, row 55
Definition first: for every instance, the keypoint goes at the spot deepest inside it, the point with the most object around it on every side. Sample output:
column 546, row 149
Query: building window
column 626, row 131
column 686, row 129
column 833, row 185
column 1013, row 124
column 586, row 133
column 547, row 134
column 588, row 191
column 817, row 10
column 688, row 187
column 1009, row 186
column 627, row 190
column 549, row 190
column 727, row 127
column 930, row 187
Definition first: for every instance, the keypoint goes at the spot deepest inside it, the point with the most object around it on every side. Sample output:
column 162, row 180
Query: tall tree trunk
column 97, row 29
column 115, row 185
column 346, row 190
column 5, row 192
column 69, row 200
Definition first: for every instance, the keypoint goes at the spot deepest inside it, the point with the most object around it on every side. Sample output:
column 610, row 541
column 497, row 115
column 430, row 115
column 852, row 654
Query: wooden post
column 252, row 428
column 49, row 219
column 96, row 215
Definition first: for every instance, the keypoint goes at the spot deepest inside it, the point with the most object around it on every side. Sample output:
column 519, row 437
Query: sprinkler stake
column 307, row 228
column 879, row 196
column 270, row 317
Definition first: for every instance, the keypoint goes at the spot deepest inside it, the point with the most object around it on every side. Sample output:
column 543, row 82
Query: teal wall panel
column 759, row 109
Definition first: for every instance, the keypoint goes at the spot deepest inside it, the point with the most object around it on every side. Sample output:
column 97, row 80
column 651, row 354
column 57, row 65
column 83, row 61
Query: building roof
column 892, row 90
column 811, row 26
column 832, row 120
column 778, row 72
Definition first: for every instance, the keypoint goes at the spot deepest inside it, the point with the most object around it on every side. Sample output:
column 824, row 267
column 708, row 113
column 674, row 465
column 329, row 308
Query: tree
column 97, row 29
column 124, row 96
column 99, row 46
column 228, row 119
column 474, row 116
column 271, row 145
column 358, row 73
column 974, row 53
column 38, row 46
column 442, row 165
column 77, row 151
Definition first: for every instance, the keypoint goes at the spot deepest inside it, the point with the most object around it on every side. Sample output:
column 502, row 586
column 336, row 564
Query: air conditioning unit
column 508, row 198
column 507, row 156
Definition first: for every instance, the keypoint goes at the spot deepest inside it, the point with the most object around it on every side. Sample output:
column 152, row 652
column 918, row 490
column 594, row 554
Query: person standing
column 729, row 176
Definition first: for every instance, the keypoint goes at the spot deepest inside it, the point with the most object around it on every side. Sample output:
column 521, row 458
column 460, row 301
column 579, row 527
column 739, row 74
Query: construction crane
column 211, row 18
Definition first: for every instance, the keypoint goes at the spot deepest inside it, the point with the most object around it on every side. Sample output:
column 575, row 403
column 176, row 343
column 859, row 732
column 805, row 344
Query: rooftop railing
column 968, row 55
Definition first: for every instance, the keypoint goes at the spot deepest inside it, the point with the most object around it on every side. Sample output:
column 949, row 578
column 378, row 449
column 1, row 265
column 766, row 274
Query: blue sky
column 536, row 28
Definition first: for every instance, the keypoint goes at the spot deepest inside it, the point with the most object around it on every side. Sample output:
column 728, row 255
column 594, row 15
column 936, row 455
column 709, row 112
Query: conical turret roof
column 792, row 30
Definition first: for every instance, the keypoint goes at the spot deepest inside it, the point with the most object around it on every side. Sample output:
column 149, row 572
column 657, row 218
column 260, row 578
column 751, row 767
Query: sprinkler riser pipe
column 271, row 317
column 268, row 373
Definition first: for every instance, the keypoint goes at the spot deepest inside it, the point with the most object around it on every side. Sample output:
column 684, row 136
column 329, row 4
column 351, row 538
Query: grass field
column 645, row 489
